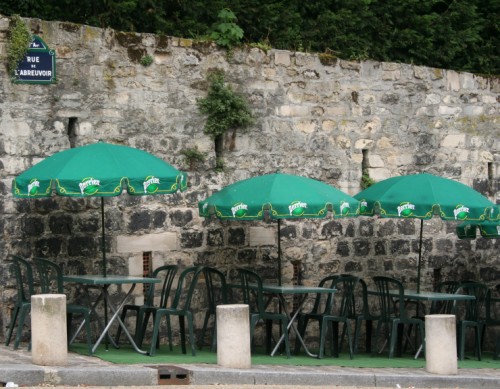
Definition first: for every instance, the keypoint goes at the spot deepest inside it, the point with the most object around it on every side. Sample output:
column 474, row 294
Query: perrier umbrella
column 422, row 196
column 278, row 196
column 99, row 170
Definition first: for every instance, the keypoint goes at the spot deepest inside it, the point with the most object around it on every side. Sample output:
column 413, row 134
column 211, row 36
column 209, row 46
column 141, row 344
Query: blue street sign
column 38, row 65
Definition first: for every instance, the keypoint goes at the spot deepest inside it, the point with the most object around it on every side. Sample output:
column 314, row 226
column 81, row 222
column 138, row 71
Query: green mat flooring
column 126, row 355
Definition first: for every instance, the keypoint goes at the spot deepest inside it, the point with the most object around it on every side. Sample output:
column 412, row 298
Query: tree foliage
column 454, row 34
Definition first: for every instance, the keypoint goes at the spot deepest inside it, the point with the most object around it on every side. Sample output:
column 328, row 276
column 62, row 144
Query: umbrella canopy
column 488, row 229
column 278, row 196
column 422, row 196
column 99, row 170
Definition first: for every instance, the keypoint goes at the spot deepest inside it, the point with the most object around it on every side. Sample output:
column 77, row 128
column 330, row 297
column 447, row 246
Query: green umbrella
column 278, row 196
column 422, row 196
column 487, row 229
column 99, row 170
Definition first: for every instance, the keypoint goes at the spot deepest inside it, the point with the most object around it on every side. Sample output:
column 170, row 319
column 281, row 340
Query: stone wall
column 316, row 116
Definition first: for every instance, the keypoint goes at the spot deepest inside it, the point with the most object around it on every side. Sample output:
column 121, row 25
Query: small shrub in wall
column 18, row 43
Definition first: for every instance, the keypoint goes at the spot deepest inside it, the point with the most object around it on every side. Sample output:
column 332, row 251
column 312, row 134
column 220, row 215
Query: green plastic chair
column 143, row 312
column 493, row 315
column 342, row 309
column 365, row 315
column 393, row 314
column 181, row 307
column 25, row 289
column 252, row 294
column 51, row 281
column 322, row 306
column 216, row 295
column 469, row 314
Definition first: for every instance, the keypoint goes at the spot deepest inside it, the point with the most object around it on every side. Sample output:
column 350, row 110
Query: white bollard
column 233, row 336
column 441, row 344
column 49, row 340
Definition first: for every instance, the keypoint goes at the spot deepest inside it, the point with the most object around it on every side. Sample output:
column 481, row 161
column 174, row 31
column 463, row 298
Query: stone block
column 166, row 241
column 454, row 141
column 233, row 336
column 282, row 57
column 48, row 330
column 262, row 236
column 441, row 344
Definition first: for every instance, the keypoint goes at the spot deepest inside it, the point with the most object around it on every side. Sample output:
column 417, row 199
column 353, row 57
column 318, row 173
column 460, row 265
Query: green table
column 293, row 290
column 103, row 283
column 412, row 295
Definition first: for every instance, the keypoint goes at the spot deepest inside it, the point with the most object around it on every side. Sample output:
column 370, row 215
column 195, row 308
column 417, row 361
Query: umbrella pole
column 103, row 245
column 279, row 252
column 419, row 254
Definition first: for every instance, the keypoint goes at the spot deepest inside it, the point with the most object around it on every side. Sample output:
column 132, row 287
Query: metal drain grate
column 172, row 375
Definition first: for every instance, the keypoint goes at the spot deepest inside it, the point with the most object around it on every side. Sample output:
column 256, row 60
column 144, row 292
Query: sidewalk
column 17, row 367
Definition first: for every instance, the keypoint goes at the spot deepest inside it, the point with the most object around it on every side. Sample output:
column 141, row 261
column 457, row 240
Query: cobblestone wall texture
column 315, row 116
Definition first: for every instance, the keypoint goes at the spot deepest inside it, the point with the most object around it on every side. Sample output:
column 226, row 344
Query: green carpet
column 126, row 355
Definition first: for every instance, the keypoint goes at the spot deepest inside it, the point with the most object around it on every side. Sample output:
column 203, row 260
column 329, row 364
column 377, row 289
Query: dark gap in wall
column 147, row 269
column 72, row 122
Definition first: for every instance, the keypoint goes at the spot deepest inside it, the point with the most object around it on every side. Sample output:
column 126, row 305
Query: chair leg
column 119, row 331
column 192, row 339
column 182, row 328
column 12, row 324
column 284, row 326
column 88, row 331
column 204, row 329
column 20, row 325
column 349, row 339
column 155, row 337
column 393, row 338
column 377, row 334
column 301, row 328
column 461, row 342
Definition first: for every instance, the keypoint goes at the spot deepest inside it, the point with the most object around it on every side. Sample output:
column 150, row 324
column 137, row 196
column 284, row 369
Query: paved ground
column 90, row 372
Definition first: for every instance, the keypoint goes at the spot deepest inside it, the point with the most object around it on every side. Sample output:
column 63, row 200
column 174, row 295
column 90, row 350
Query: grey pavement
column 17, row 367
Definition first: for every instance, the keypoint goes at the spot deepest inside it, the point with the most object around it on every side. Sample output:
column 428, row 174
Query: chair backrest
column 391, row 297
column 473, row 309
column 444, row 307
column 24, row 278
column 366, row 305
column 493, row 306
column 251, row 289
column 167, row 273
column 344, row 296
column 216, row 287
column 50, row 276
column 188, row 280
column 323, row 304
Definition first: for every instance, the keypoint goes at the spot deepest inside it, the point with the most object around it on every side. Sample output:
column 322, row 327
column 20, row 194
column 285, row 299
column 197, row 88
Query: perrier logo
column 239, row 209
column 297, row 208
column 461, row 212
column 89, row 186
column 151, row 184
column 363, row 206
column 344, row 208
column 406, row 209
column 33, row 187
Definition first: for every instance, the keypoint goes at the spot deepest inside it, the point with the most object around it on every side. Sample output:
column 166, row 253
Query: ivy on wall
column 18, row 43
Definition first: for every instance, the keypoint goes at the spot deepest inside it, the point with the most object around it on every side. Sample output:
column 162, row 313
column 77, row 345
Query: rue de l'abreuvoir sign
column 38, row 65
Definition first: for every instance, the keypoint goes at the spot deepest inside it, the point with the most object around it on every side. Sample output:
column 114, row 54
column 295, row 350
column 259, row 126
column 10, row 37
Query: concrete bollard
column 49, row 340
column 233, row 336
column 441, row 344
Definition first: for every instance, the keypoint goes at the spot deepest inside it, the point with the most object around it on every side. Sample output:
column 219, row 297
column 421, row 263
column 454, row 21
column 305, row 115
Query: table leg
column 116, row 316
column 93, row 312
column 291, row 324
